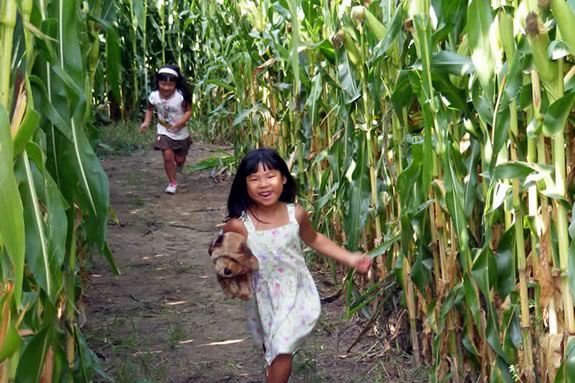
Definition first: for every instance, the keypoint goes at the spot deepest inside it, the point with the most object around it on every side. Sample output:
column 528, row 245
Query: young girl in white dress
column 286, row 304
column 171, row 100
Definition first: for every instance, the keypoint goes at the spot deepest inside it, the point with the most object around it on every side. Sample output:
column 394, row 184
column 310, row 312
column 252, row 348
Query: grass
column 141, row 366
column 305, row 365
column 122, row 138
column 176, row 334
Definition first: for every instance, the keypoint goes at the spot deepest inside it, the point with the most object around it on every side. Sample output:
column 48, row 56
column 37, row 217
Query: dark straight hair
column 181, row 83
column 239, row 201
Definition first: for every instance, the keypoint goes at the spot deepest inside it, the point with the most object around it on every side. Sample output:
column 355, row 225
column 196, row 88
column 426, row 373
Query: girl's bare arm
column 237, row 226
column 147, row 118
column 185, row 118
column 327, row 247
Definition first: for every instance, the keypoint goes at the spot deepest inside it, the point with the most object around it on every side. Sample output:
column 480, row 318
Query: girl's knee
column 180, row 159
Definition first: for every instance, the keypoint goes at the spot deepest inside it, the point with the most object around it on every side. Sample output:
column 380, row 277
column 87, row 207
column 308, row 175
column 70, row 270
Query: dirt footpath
column 165, row 318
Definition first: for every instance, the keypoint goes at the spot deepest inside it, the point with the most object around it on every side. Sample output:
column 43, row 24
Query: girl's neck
column 267, row 214
column 163, row 97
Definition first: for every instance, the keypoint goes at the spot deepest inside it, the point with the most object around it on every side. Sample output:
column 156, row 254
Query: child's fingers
column 364, row 263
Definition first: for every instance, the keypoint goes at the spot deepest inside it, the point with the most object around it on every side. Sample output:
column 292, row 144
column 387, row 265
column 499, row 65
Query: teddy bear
column 234, row 263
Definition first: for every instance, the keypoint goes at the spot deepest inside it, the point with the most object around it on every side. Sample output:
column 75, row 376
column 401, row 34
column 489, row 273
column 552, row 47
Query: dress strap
column 246, row 219
column 291, row 212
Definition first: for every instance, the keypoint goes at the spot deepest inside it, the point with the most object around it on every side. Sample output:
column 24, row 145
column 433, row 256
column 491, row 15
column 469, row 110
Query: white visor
column 168, row 71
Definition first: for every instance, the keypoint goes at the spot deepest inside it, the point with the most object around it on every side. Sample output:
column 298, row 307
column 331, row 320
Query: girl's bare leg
column 179, row 159
column 280, row 369
column 169, row 164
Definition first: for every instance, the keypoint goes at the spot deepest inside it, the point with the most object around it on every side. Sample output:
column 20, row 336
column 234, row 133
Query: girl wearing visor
column 171, row 99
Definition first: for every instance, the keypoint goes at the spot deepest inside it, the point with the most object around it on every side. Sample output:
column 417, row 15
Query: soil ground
column 165, row 319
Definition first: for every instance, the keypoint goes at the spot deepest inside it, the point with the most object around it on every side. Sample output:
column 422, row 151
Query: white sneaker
column 171, row 189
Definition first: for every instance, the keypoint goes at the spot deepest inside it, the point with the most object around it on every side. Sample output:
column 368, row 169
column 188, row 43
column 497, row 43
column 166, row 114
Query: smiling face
column 166, row 85
column 265, row 186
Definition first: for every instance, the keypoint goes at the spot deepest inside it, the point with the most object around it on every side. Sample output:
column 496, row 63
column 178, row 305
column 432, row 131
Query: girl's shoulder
column 154, row 96
column 236, row 225
column 300, row 213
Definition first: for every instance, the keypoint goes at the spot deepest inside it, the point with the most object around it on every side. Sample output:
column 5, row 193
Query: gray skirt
column 181, row 147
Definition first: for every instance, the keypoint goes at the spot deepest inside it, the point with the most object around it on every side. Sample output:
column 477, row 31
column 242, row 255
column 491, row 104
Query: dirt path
column 165, row 318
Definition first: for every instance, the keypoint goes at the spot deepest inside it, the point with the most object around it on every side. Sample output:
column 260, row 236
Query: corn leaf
column 505, row 260
column 10, row 340
column 479, row 21
column 556, row 115
column 358, row 196
column 12, row 222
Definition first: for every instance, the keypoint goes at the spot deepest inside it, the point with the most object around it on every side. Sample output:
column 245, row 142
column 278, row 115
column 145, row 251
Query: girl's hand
column 361, row 262
column 174, row 128
column 143, row 127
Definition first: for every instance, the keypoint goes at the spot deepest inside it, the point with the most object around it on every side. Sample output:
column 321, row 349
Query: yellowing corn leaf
column 553, row 351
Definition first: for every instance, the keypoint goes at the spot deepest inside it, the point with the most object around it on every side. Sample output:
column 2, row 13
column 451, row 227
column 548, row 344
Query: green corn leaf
column 75, row 97
column 513, row 170
column 11, row 210
column 88, row 361
column 484, row 271
column 366, row 297
column 10, row 340
column 492, row 333
column 421, row 272
column 482, row 104
column 358, row 194
column 455, row 96
column 26, row 130
column 479, row 23
column 33, row 357
column 512, row 338
column 384, row 247
column 408, row 178
column 428, row 125
column 111, row 260
column 346, row 77
column 113, row 67
column 501, row 132
column 505, row 260
column 471, row 348
column 471, row 175
column 140, row 17
column 513, row 81
column 556, row 115
column 570, row 360
column 472, row 300
column 392, row 34
column 564, row 16
column 327, row 51
column 81, row 167
column 454, row 198
column 47, row 109
column 446, row 62
column 500, row 372
column 314, row 95
column 571, row 262
column 423, row 44
column 402, row 91
column 37, row 246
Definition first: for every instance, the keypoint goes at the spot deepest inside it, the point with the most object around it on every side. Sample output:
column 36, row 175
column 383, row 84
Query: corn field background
column 437, row 135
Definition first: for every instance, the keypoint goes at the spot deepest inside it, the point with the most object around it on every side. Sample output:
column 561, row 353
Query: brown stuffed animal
column 234, row 262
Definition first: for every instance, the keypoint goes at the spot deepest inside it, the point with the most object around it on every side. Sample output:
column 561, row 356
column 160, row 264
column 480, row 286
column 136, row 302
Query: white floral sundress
column 286, row 305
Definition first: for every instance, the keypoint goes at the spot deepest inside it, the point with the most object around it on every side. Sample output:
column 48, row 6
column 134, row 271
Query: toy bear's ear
column 216, row 243
column 244, row 249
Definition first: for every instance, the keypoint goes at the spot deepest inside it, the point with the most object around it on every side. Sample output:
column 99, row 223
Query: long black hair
column 181, row 83
column 239, row 201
